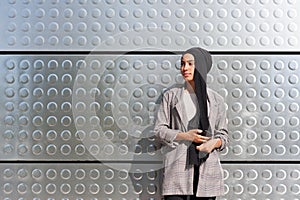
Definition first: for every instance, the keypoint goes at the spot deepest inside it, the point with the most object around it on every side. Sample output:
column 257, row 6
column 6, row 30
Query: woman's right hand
column 193, row 135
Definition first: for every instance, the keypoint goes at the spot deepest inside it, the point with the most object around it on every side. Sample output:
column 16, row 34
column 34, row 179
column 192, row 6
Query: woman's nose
column 185, row 66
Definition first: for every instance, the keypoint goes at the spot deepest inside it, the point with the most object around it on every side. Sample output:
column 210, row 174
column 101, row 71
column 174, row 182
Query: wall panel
column 103, row 106
column 80, row 181
column 81, row 82
column 124, row 25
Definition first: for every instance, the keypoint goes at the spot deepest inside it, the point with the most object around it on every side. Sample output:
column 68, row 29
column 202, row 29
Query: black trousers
column 190, row 197
column 185, row 197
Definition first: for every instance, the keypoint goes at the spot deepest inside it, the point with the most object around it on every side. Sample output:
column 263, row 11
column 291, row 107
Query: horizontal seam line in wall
column 135, row 162
column 262, row 162
column 88, row 52
column 76, row 161
column 145, row 52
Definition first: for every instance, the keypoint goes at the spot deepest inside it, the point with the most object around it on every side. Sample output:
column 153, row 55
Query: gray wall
column 81, row 80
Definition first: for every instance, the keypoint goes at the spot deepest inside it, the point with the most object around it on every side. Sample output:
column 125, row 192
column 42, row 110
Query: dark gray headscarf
column 203, row 64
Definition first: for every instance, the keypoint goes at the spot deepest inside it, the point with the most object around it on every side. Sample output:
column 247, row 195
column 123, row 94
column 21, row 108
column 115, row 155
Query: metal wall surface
column 82, row 181
column 119, row 181
column 110, row 25
column 103, row 106
column 81, row 82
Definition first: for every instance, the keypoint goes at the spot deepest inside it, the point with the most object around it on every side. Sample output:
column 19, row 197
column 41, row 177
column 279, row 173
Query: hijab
column 203, row 64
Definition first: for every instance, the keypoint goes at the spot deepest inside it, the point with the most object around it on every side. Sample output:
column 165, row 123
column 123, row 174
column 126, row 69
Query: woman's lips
column 186, row 74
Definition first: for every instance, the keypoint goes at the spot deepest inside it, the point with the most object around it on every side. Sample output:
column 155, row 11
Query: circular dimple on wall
column 280, row 150
column 267, row 189
column 266, row 136
column 294, row 121
column 293, row 93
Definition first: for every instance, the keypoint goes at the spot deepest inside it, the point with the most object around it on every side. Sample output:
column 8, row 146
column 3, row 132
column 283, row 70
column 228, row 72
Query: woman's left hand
column 210, row 145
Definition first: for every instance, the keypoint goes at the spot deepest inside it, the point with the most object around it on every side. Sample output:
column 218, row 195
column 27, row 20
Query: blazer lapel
column 179, row 106
column 213, row 109
column 181, row 112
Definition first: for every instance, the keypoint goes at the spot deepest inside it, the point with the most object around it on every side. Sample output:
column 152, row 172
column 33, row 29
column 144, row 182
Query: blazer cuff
column 223, row 145
column 170, row 139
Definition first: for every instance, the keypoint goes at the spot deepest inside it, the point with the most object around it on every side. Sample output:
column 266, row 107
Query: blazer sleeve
column 163, row 128
column 221, row 130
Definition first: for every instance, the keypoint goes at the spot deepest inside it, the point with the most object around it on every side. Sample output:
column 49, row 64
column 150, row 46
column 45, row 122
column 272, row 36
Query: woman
column 191, row 123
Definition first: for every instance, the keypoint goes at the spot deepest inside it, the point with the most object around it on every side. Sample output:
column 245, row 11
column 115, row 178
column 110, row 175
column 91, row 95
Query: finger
column 201, row 139
column 201, row 148
column 204, row 138
column 199, row 131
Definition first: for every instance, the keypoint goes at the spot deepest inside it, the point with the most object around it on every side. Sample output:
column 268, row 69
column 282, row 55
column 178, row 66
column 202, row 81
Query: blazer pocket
column 211, row 168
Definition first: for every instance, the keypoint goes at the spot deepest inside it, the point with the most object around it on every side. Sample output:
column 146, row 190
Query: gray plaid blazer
column 177, row 174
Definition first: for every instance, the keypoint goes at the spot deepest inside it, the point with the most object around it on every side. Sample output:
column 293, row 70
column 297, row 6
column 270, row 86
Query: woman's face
column 187, row 67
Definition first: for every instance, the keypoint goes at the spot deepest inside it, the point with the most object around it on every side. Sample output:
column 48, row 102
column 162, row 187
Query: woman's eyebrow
column 187, row 60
